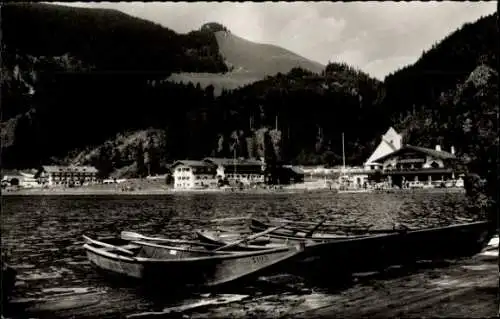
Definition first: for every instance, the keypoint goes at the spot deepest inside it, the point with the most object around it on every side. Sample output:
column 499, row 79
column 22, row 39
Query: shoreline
column 153, row 191
column 148, row 188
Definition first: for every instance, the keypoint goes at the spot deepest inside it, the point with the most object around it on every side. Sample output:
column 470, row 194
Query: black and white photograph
column 249, row 159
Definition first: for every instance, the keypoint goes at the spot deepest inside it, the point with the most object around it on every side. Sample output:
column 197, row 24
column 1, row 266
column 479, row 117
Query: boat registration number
column 260, row 259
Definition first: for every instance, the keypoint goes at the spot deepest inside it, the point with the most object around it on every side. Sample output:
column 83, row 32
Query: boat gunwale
column 221, row 254
column 439, row 228
column 185, row 249
column 203, row 236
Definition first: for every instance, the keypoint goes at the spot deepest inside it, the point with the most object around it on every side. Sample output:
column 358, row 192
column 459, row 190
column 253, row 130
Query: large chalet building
column 189, row 174
column 209, row 172
column 413, row 163
column 399, row 164
column 66, row 175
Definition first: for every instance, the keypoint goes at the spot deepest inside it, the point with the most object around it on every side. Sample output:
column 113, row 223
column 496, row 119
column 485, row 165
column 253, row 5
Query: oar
column 236, row 243
column 132, row 236
column 328, row 225
column 108, row 245
column 216, row 220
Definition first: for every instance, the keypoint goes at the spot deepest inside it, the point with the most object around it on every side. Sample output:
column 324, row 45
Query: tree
column 213, row 27
column 271, row 170
column 139, row 160
column 116, row 158
column 103, row 161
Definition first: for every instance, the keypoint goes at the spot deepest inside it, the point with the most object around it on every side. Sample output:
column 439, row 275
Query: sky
column 376, row 37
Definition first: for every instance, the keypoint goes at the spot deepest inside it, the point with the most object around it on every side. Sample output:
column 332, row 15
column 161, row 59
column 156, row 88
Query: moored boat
column 178, row 265
column 218, row 238
column 299, row 230
column 401, row 245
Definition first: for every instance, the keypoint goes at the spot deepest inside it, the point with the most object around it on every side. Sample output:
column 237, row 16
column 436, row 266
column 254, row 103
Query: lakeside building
column 246, row 171
column 20, row 179
column 418, row 164
column 28, row 180
column 51, row 175
column 189, row 174
column 354, row 177
column 349, row 176
column 391, row 141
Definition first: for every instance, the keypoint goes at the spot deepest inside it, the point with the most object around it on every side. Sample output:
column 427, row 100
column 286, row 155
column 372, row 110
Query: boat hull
column 168, row 267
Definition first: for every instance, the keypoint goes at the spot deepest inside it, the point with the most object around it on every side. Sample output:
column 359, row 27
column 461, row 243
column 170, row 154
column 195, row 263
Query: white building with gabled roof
column 391, row 141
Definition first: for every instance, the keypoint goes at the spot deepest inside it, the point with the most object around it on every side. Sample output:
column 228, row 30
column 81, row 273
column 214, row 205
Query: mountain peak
column 214, row 27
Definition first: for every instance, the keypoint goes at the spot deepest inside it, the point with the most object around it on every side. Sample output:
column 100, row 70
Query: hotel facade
column 246, row 171
column 418, row 164
column 189, row 174
column 67, row 175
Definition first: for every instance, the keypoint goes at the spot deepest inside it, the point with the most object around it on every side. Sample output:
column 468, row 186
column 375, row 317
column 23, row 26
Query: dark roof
column 428, row 151
column 192, row 163
column 9, row 172
column 231, row 161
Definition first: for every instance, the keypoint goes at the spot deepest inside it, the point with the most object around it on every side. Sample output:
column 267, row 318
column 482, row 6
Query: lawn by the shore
column 148, row 187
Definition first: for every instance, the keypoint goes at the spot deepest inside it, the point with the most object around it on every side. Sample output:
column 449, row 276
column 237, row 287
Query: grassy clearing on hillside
column 228, row 81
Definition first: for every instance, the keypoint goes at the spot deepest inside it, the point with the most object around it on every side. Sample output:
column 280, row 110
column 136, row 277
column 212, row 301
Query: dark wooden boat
column 178, row 265
column 217, row 238
column 375, row 251
column 8, row 279
column 298, row 232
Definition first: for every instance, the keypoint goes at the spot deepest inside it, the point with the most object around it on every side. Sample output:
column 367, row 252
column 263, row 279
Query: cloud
column 377, row 37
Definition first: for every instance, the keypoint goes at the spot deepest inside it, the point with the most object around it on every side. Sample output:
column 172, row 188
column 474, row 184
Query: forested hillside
column 450, row 97
column 41, row 42
column 443, row 67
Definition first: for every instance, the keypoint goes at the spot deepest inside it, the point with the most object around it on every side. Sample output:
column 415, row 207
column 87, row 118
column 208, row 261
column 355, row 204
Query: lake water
column 43, row 233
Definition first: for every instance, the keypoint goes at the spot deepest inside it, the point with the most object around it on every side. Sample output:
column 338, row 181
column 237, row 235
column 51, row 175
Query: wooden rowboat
column 298, row 232
column 373, row 251
column 174, row 265
column 217, row 238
